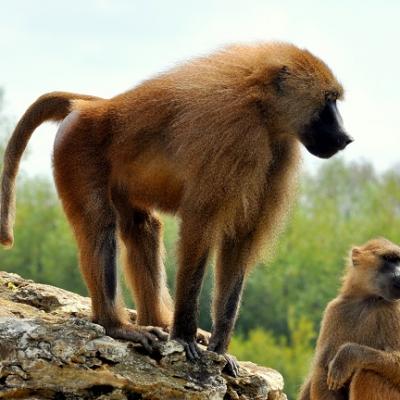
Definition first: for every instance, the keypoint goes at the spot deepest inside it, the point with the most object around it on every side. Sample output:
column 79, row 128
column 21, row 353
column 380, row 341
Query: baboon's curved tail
column 53, row 106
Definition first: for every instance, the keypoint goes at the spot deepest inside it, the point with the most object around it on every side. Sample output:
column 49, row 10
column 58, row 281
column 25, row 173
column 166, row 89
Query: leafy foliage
column 289, row 355
column 44, row 249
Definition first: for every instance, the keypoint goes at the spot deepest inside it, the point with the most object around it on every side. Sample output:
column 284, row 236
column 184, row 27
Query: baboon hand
column 147, row 336
column 192, row 351
column 341, row 368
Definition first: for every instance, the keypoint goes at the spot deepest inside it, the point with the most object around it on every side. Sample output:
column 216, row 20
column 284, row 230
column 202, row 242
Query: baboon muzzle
column 325, row 135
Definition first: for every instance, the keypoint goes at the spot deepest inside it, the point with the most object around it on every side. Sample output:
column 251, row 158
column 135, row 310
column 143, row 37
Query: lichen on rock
column 49, row 349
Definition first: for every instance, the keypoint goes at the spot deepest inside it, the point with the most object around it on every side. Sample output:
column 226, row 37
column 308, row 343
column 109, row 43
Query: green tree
column 290, row 356
column 44, row 249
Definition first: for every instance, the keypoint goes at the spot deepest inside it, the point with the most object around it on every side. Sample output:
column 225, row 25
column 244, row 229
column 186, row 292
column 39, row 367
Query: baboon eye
column 392, row 258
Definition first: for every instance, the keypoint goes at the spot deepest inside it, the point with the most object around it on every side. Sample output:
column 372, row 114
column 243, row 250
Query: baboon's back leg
column 141, row 232
column 97, row 255
column 367, row 385
column 81, row 178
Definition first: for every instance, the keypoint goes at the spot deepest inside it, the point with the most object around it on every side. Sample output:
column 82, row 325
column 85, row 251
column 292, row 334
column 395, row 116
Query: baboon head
column 376, row 269
column 308, row 94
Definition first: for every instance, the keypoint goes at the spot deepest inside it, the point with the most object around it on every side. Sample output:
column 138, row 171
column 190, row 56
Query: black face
column 325, row 135
column 389, row 277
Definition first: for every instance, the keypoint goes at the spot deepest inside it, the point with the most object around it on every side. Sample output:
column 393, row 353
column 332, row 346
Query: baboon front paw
column 232, row 366
column 192, row 351
column 338, row 374
column 147, row 336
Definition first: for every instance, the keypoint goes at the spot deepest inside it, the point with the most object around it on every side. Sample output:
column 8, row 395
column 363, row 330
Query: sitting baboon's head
column 374, row 270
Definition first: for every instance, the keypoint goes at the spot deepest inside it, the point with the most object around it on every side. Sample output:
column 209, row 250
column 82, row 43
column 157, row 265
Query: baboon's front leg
column 230, row 274
column 193, row 254
column 353, row 356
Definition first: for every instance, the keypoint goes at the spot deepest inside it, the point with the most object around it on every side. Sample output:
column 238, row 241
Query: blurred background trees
column 338, row 205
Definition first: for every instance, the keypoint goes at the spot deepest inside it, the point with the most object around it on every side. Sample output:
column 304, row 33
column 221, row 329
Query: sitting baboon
column 358, row 349
column 215, row 141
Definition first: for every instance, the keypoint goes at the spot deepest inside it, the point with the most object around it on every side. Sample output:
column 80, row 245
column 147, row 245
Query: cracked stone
column 50, row 349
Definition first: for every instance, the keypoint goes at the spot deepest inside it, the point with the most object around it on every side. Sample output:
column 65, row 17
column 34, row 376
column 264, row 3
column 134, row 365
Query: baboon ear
column 355, row 255
column 279, row 81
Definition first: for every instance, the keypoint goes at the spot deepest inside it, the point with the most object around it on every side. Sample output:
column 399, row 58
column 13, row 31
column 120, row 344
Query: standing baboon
column 216, row 141
column 358, row 350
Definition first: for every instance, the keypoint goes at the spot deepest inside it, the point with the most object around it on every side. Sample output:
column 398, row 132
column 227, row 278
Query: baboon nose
column 345, row 140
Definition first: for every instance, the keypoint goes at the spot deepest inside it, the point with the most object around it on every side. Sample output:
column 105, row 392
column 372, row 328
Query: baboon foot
column 232, row 366
column 192, row 351
column 147, row 336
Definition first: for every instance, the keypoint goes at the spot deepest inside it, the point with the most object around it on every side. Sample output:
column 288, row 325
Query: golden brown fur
column 358, row 349
column 215, row 141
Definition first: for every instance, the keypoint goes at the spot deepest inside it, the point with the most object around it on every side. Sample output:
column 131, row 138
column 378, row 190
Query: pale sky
column 103, row 47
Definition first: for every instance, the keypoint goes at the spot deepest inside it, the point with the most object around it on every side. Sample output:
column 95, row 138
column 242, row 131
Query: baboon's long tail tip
column 53, row 106
column 7, row 242
column 6, row 237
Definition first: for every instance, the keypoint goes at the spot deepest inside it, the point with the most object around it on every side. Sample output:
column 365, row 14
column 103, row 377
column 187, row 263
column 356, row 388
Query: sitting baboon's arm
column 317, row 388
column 352, row 356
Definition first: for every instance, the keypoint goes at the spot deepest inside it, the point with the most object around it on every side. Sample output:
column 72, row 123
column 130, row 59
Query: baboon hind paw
column 232, row 366
column 147, row 336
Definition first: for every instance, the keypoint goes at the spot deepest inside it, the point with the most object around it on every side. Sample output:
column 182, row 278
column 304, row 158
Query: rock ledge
column 49, row 349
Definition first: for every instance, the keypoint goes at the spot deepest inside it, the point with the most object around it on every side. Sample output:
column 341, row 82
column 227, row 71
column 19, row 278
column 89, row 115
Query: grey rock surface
column 49, row 349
